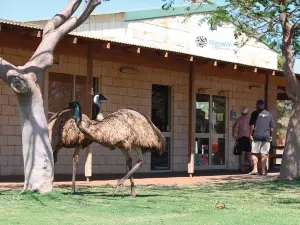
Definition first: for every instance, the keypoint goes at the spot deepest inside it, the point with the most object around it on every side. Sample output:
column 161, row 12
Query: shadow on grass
column 272, row 186
column 41, row 199
column 105, row 194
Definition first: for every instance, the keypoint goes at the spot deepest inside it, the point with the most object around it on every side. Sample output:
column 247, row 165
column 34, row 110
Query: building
column 189, row 93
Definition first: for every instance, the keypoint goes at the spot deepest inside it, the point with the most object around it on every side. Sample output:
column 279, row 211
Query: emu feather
column 126, row 130
column 64, row 133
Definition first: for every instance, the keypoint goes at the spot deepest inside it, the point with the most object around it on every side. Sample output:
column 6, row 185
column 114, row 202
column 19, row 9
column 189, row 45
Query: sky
column 24, row 10
column 37, row 9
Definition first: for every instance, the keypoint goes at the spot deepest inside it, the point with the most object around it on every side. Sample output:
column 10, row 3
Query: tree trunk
column 289, row 163
column 25, row 81
column 288, row 168
column 37, row 152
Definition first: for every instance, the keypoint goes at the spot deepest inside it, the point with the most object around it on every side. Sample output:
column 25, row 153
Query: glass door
column 218, row 134
column 210, row 132
column 202, row 136
column 160, row 116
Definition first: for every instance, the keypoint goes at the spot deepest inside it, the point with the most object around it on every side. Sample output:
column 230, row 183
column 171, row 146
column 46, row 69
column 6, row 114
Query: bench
column 273, row 155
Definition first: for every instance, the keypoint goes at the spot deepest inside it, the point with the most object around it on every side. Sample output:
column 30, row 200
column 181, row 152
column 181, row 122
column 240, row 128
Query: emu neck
column 78, row 116
column 96, row 111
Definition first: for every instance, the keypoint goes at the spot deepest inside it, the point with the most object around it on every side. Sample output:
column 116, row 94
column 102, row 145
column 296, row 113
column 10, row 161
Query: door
column 161, row 117
column 210, row 132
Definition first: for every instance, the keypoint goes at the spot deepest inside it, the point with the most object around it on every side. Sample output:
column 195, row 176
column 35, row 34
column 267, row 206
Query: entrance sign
column 218, row 44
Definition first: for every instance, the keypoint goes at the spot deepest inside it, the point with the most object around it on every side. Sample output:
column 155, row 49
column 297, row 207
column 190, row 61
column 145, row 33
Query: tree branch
column 4, row 68
column 296, row 25
column 57, row 28
column 61, row 17
column 283, row 18
column 75, row 21
column 10, row 74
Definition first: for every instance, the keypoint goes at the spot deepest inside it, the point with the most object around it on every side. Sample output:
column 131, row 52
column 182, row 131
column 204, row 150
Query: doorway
column 210, row 132
column 161, row 118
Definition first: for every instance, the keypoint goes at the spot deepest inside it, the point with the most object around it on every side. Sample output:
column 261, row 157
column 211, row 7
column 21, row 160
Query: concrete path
column 169, row 181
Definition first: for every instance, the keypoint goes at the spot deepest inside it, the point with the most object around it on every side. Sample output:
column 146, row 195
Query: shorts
column 244, row 144
column 261, row 147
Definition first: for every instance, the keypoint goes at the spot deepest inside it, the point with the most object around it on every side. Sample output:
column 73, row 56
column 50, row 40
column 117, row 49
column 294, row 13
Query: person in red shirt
column 241, row 133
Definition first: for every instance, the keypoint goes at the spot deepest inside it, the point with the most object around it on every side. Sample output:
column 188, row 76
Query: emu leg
column 55, row 152
column 129, row 166
column 75, row 161
column 129, row 174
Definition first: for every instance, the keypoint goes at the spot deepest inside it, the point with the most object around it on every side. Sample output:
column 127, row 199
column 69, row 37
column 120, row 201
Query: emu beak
column 102, row 97
column 67, row 107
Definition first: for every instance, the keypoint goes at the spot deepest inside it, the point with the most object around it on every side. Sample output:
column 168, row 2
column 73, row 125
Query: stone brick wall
column 133, row 90
column 238, row 95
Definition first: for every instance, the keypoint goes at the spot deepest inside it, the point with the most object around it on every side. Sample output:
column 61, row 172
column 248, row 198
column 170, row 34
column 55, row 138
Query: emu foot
column 132, row 196
column 119, row 184
column 73, row 190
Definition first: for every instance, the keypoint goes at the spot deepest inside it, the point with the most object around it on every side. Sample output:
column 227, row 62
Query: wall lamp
column 254, row 86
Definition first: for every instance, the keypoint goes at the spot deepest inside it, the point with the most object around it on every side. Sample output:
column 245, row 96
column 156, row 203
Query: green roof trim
column 174, row 11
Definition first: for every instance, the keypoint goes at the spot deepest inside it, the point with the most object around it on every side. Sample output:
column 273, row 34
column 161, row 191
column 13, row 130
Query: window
column 60, row 92
column 80, row 92
column 160, row 107
column 161, row 118
column 64, row 88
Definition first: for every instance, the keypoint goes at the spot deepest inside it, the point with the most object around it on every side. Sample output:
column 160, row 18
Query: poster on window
column 214, row 145
column 220, row 117
column 204, row 159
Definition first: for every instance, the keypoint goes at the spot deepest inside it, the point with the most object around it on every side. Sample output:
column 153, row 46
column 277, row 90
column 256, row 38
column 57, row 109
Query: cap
column 260, row 102
column 244, row 110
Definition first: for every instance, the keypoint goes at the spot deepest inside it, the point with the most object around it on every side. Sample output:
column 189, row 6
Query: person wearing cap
column 240, row 131
column 261, row 130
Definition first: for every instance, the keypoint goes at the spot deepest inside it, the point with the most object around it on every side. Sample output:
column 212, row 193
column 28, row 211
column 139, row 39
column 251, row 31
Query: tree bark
column 289, row 163
column 37, row 152
column 26, row 82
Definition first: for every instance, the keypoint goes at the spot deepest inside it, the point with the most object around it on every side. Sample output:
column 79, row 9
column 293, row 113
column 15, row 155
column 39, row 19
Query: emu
column 126, row 130
column 64, row 133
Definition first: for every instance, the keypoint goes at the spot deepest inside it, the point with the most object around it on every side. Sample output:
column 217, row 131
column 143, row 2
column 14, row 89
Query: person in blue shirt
column 261, row 130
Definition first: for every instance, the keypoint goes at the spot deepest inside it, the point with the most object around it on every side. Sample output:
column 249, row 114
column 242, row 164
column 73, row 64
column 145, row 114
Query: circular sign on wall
column 201, row 41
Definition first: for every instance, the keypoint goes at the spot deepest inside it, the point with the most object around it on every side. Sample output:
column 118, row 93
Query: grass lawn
column 269, row 202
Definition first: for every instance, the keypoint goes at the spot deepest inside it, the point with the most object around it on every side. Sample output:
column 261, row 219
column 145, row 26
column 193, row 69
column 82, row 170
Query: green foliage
column 284, row 112
column 280, row 62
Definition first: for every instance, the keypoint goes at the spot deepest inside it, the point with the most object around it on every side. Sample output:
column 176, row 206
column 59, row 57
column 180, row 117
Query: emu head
column 98, row 98
column 96, row 105
column 77, row 110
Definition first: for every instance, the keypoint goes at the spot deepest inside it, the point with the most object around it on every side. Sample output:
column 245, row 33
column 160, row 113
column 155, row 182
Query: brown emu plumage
column 125, row 129
column 64, row 133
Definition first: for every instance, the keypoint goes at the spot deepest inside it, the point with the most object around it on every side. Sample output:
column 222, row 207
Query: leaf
column 210, row 2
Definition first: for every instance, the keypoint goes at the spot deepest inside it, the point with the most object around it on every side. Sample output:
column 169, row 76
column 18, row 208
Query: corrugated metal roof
column 21, row 24
column 13, row 23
